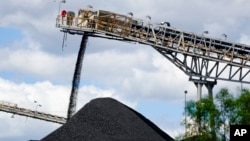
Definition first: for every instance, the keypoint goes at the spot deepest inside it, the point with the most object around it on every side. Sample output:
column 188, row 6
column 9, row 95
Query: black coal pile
column 106, row 119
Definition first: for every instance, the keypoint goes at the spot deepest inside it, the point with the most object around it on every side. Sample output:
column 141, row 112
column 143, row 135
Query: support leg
column 210, row 86
column 199, row 90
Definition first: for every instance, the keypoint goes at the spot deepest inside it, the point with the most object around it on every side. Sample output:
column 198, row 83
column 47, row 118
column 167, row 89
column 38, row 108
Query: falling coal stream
column 77, row 77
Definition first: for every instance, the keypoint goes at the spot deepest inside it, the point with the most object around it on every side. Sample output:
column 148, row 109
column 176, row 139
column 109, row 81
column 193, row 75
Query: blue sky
column 10, row 34
column 33, row 65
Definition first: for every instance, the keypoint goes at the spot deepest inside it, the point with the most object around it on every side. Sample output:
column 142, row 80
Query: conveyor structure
column 198, row 56
column 204, row 59
column 14, row 109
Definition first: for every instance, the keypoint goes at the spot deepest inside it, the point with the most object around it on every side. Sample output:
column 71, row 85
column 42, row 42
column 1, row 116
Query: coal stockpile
column 106, row 119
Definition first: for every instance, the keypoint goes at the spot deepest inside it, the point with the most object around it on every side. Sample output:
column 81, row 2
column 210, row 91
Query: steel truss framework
column 14, row 109
column 196, row 55
column 206, row 69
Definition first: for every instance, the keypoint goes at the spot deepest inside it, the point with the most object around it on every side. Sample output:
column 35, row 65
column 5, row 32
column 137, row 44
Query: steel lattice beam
column 14, row 109
column 207, row 69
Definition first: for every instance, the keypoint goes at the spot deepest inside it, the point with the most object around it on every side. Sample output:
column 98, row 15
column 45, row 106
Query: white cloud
column 244, row 39
column 159, row 83
column 137, row 66
column 53, row 98
column 87, row 93
column 34, row 62
column 113, row 66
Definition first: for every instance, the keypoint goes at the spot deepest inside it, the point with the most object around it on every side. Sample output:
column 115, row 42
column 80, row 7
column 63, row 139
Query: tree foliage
column 210, row 119
column 242, row 108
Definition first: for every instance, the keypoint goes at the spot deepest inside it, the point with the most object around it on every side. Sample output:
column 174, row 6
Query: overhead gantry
column 204, row 59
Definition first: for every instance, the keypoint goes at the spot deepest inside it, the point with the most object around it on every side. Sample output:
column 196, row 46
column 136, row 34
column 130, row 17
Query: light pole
column 37, row 105
column 204, row 32
column 224, row 35
column 149, row 17
column 185, row 112
column 131, row 14
column 241, row 87
column 62, row 1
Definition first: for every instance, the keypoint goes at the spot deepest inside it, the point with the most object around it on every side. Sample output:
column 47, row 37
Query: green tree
column 243, row 108
column 192, row 123
column 225, row 104
column 199, row 114
column 210, row 119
